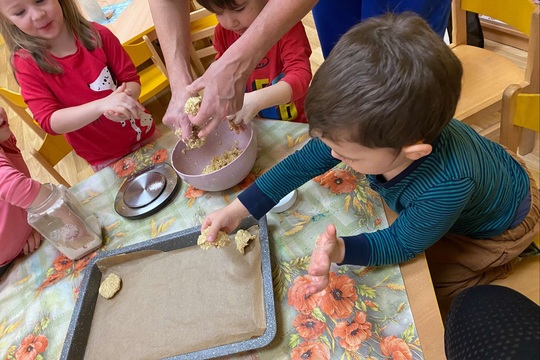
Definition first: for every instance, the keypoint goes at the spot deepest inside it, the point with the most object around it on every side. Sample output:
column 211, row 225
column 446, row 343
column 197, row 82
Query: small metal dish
column 147, row 191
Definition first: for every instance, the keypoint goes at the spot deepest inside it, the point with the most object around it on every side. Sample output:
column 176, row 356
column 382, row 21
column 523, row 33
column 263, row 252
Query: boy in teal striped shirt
column 383, row 103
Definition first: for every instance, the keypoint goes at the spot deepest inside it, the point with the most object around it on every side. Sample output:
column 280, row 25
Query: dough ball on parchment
column 221, row 240
column 242, row 238
column 110, row 286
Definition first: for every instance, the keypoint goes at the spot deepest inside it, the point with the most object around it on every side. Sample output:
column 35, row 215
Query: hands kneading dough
column 192, row 105
column 241, row 238
column 192, row 108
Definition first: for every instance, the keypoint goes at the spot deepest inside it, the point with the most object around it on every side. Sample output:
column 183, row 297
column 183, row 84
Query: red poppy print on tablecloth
column 339, row 181
column 62, row 263
column 124, row 167
column 31, row 347
column 395, row 348
column 297, row 296
column 51, row 280
column 250, row 178
column 159, row 156
column 308, row 327
column 193, row 193
column 339, row 297
column 353, row 333
column 63, row 267
column 311, row 350
column 82, row 262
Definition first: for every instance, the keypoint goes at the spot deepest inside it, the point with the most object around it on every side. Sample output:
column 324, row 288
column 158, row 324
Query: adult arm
column 171, row 19
column 225, row 80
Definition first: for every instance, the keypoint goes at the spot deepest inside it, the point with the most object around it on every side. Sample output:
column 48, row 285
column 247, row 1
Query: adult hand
column 226, row 219
column 224, row 84
column 175, row 117
column 328, row 249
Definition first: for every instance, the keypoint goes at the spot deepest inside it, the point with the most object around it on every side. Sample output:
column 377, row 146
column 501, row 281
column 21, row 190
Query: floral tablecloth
column 363, row 314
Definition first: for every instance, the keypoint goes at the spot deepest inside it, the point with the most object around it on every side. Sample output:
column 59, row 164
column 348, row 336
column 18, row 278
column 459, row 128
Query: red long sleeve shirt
column 287, row 60
column 88, row 76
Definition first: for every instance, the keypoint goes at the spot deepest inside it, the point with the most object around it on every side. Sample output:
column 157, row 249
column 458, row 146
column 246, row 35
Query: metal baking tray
column 81, row 320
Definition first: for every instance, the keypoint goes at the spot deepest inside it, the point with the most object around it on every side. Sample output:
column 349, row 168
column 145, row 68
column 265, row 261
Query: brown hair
column 389, row 82
column 216, row 6
column 17, row 40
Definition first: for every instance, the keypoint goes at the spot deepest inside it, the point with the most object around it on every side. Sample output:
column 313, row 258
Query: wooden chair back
column 520, row 112
column 17, row 104
column 154, row 77
column 486, row 75
column 53, row 147
column 521, row 102
column 203, row 23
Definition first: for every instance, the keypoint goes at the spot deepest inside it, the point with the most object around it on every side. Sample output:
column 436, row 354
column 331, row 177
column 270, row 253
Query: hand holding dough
column 222, row 240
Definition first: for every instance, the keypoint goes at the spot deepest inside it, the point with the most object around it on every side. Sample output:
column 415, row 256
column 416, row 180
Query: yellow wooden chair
column 519, row 111
column 154, row 78
column 202, row 24
column 486, row 75
column 521, row 102
column 53, row 147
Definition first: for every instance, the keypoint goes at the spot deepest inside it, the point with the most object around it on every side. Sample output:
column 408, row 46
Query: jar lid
column 147, row 191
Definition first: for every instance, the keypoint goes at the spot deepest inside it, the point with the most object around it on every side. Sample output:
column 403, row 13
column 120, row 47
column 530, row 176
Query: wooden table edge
column 423, row 303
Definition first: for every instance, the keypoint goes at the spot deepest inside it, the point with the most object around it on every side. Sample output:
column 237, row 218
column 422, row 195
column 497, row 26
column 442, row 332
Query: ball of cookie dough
column 192, row 105
column 221, row 240
column 110, row 286
column 242, row 238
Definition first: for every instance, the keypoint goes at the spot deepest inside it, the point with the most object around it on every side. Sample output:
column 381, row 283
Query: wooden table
column 424, row 307
column 38, row 293
column 423, row 302
column 134, row 22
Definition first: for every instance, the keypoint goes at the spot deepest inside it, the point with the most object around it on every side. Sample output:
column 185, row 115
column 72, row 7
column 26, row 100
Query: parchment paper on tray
column 179, row 301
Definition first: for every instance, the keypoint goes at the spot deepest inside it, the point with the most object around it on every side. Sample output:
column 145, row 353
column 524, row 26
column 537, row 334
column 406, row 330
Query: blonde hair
column 37, row 48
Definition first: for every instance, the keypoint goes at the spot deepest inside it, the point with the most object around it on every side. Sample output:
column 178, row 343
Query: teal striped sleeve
column 420, row 225
column 311, row 160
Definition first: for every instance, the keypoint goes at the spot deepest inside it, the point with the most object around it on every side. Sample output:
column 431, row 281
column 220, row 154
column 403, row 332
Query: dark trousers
column 492, row 322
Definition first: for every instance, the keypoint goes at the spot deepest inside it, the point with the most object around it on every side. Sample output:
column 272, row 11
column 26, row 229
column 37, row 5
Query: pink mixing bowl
column 189, row 164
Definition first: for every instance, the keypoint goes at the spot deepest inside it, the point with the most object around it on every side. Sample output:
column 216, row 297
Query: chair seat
column 153, row 82
column 485, row 77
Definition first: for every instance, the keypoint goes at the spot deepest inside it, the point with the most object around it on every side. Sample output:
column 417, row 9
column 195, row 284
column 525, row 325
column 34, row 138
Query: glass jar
column 93, row 10
column 62, row 220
